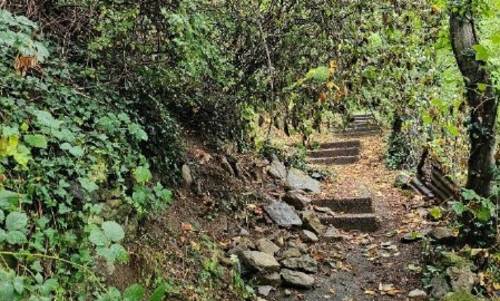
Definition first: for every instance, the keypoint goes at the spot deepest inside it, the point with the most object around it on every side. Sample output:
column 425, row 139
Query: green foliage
column 68, row 159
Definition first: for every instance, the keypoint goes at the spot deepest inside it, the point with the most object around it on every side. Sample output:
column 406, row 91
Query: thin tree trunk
column 482, row 100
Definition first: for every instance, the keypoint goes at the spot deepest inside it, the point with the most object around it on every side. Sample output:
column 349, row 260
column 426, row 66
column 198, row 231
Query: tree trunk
column 482, row 100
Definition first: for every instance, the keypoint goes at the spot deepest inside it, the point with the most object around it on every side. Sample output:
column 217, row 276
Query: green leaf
column 113, row 231
column 98, row 238
column 2, row 216
column 469, row 195
column 16, row 237
column 76, row 151
column 18, row 284
column 23, row 155
column 37, row 140
column 436, row 213
column 483, row 214
column 46, row 119
column 135, row 292
column 137, row 131
column 142, row 174
column 482, row 53
column 16, row 221
column 8, row 198
column 114, row 253
column 88, row 184
column 458, row 208
column 6, row 290
column 159, row 293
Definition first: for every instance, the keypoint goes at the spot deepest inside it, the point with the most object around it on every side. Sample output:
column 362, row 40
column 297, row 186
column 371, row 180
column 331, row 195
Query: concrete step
column 362, row 128
column 341, row 144
column 365, row 222
column 334, row 152
column 342, row 160
column 347, row 205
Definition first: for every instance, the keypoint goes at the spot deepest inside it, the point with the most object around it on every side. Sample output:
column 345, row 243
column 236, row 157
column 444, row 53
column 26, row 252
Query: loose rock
column 259, row 261
column 267, row 246
column 443, row 235
column 273, row 279
column 264, row 290
column 277, row 169
column 462, row 279
column 296, row 199
column 304, row 263
column 312, row 222
column 439, row 287
column 417, row 295
column 283, row 214
column 298, row 180
column 332, row 234
column 291, row 252
column 309, row 236
column 297, row 279
column 402, row 181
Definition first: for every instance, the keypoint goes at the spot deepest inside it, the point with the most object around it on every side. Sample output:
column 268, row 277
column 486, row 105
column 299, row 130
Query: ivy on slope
column 72, row 176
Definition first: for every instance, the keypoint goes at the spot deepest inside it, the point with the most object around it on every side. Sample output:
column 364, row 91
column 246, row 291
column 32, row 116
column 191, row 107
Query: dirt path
column 374, row 266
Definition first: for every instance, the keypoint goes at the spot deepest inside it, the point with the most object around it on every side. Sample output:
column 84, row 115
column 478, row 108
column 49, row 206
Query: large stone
column 277, row 169
column 283, row 214
column 297, row 279
column 312, row 222
column 402, row 181
column 267, row 246
column 297, row 199
column 439, row 287
column 298, row 180
column 259, row 261
column 304, row 263
column 462, row 279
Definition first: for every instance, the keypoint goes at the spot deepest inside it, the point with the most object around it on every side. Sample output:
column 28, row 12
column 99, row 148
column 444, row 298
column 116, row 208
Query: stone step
column 421, row 189
column 365, row 222
column 341, row 160
column 444, row 184
column 362, row 116
column 354, row 133
column 362, row 128
column 334, row 152
column 347, row 205
column 341, row 144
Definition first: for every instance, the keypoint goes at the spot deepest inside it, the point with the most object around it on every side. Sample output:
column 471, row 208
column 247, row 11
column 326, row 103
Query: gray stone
column 287, row 292
column 439, row 287
column 186, row 175
column 291, row 252
column 296, row 199
column 333, row 234
column 443, row 235
column 264, row 290
column 462, row 279
column 259, row 261
column 298, row 180
column 283, row 214
column 273, row 279
column 267, row 246
column 402, row 181
column 303, row 263
column 309, row 236
column 297, row 279
column 417, row 295
column 277, row 169
column 312, row 222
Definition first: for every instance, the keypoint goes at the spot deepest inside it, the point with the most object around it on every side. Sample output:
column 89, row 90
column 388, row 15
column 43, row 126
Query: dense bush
column 73, row 177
